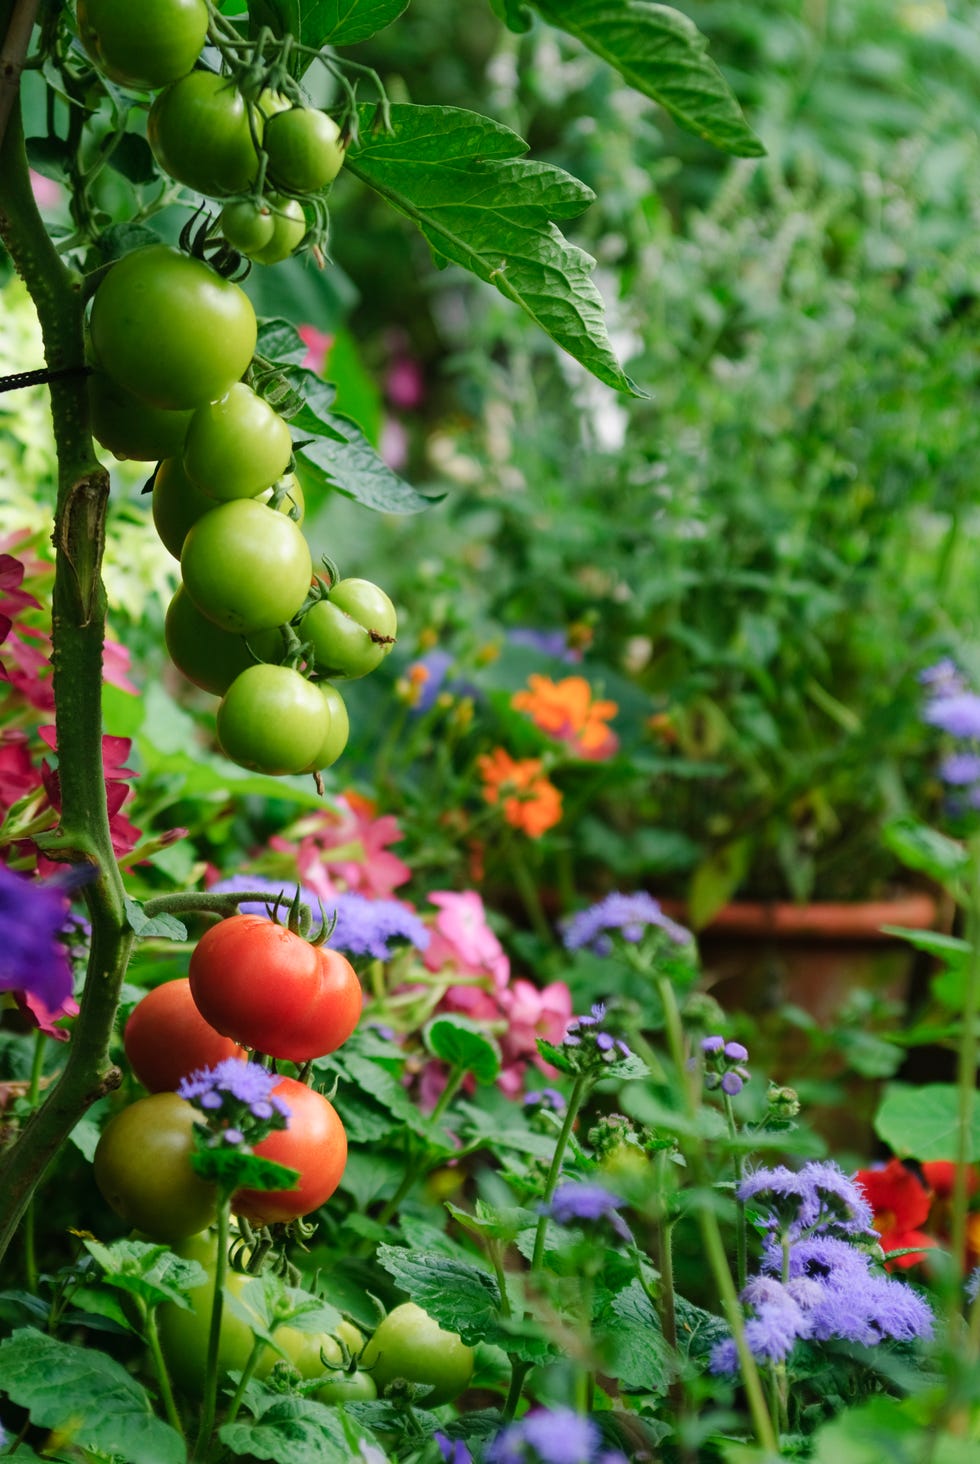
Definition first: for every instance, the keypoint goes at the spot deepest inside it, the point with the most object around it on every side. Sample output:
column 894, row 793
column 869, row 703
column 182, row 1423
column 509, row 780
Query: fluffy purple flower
column 960, row 769
column 957, row 713
column 869, row 1309
column 735, row 1052
column 545, row 1098
column 942, row 679
column 574, row 1203
column 833, row 1203
column 772, row 1332
column 549, row 1436
column 711, row 1046
column 453, row 1451
column 732, row 1083
column 33, row 913
column 237, row 1099
column 549, row 642
column 629, row 915
column 366, row 927
column 282, row 890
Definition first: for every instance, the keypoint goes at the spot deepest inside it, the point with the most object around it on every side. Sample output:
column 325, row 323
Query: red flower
column 900, row 1203
column 115, row 751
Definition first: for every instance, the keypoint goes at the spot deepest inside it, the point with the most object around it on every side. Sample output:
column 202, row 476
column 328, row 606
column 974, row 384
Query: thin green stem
column 210, row 1398
column 528, row 890
column 966, row 1073
column 161, row 1370
column 741, row 1262
column 575, row 1099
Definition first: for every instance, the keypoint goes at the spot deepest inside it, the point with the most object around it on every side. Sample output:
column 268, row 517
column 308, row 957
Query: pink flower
column 115, row 750
column 346, row 849
column 115, row 664
column 531, row 1013
column 18, row 775
column 318, row 345
column 43, row 1017
column 461, row 938
column 27, row 666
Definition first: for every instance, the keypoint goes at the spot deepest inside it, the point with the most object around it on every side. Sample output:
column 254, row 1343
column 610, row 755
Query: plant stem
column 741, row 1264
column 579, row 1089
column 711, row 1231
column 966, row 1073
column 160, row 1368
column 210, row 1398
column 78, row 631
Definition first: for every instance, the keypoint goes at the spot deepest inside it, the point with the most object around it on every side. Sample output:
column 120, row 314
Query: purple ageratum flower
column 957, row 713
column 365, row 927
column 33, row 913
column 772, row 1332
column 710, row 1046
column 246, row 1083
column 869, row 1309
column 574, row 1203
column 629, row 915
column 960, row 769
column 548, row 1436
column 735, row 1052
column 780, row 1189
column 454, row 1451
column 833, row 1203
column 942, row 679
column 549, row 642
column 284, row 891
column 545, row 1098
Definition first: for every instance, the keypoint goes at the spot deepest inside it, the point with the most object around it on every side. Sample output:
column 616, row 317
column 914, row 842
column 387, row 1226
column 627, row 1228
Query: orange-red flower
column 900, row 1203
column 565, row 711
column 530, row 801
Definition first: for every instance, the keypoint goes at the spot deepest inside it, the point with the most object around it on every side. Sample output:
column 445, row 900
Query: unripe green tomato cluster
column 205, row 133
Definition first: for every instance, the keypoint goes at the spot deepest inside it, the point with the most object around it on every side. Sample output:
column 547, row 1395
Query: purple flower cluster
column 545, row 1098
column 237, row 1099
column 954, row 709
column 551, row 1436
column 588, row 1042
column 818, row 1279
column 724, row 1063
column 33, row 958
column 362, row 927
column 578, row 1203
column 628, row 916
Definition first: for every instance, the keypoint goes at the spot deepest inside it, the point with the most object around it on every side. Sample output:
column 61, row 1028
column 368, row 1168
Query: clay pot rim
column 821, row 920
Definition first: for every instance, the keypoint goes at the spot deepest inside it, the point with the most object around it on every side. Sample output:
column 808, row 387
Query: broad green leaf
column 479, row 203
column 88, row 1396
column 148, row 1270
column 345, row 22
column 924, row 1123
column 884, row 1428
column 281, row 343
column 715, row 881
column 462, row 1297
column 232, row 1169
column 491, row 1222
column 662, row 54
column 926, row 850
column 636, row 1352
column 462, row 1044
column 157, row 927
column 292, row 1431
column 949, row 948
column 514, row 14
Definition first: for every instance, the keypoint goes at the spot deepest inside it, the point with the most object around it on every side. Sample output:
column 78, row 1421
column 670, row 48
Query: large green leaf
column 344, row 22
column 924, row 1123
column 661, row 53
column 88, row 1395
column 481, row 204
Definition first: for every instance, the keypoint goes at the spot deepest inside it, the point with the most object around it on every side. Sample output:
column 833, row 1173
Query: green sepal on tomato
column 269, row 989
column 169, row 329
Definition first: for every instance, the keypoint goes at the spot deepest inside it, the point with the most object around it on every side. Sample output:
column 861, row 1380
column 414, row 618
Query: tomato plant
column 268, row 988
column 351, row 630
column 178, row 503
column 410, row 1344
column 246, row 567
column 143, row 1168
column 129, row 427
column 169, row 329
column 273, row 720
column 208, row 656
column 288, row 231
column 166, row 1038
column 305, row 152
column 314, row 1144
column 184, row 1330
column 340, row 1386
column 246, row 225
column 200, row 133
column 237, row 446
column 338, row 729
column 143, row 46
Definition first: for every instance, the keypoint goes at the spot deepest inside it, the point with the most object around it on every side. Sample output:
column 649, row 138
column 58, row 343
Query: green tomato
column 130, row 428
column 170, row 330
column 246, row 566
column 143, row 1168
column 352, row 630
column 237, row 446
column 338, row 729
column 178, row 503
column 143, row 46
column 272, row 720
column 207, row 655
column 288, row 231
column 247, row 226
column 410, row 1344
column 304, row 148
column 200, row 133
column 184, row 1331
column 346, row 1387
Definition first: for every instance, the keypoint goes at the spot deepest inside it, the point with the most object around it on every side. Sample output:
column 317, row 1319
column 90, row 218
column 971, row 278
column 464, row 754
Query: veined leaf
column 481, row 204
column 662, row 54
column 344, row 22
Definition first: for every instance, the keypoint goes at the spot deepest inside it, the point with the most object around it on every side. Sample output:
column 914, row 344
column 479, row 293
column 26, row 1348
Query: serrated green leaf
column 147, row 1270
column 662, row 54
column 281, row 343
column 345, row 22
column 292, row 1430
column 924, row 1122
column 492, row 1222
column 157, row 927
column 461, row 1297
column 461, row 1043
column 635, row 1350
column 231, row 1169
column 385, row 1088
column 88, row 1395
column 481, row 204
column 926, row 850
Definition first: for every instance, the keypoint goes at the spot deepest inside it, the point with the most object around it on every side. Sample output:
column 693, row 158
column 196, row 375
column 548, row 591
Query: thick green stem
column 78, row 630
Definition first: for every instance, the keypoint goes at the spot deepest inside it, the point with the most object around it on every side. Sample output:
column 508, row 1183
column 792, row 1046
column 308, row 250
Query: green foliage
column 924, row 1122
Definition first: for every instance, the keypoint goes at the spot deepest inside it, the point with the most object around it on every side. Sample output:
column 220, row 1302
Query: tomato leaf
column 480, row 204
column 462, row 1044
column 344, row 22
column 514, row 14
column 148, row 1270
column 661, row 53
column 461, row 1297
column 924, row 1122
column 231, row 1169
column 87, row 1394
column 294, row 1431
column 634, row 1348
column 156, row 927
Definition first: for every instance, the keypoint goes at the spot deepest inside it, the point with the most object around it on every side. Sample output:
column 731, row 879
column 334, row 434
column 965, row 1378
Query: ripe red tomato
column 143, row 1168
column 315, row 1144
column 169, row 329
column 273, row 991
column 166, row 1038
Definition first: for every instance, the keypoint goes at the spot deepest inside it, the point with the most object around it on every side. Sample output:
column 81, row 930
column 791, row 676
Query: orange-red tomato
column 315, row 1144
column 166, row 1038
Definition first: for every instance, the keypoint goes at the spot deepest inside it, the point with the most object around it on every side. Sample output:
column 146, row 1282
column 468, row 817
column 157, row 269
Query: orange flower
column 566, row 711
column 530, row 802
